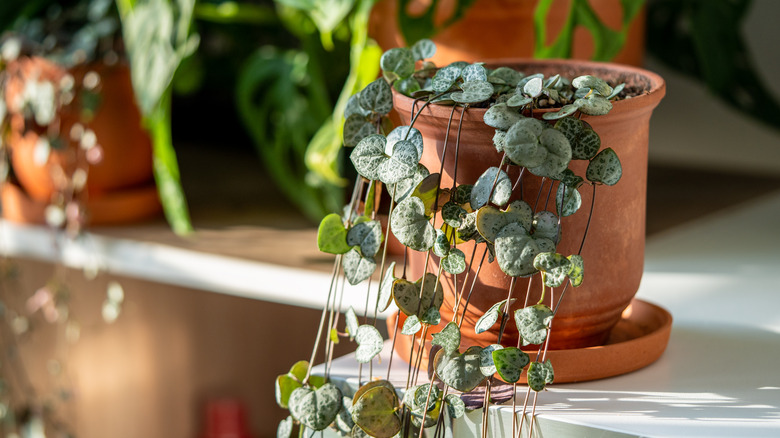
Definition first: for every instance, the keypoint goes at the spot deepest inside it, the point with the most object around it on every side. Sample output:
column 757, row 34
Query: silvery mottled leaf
column 500, row 116
column 316, row 409
column 515, row 251
column 377, row 97
column 368, row 156
column 428, row 192
column 448, row 339
column 410, row 225
column 441, row 245
column 533, row 87
column 344, row 421
column 401, row 164
column 368, row 235
column 596, row 84
column 594, row 105
column 431, row 316
column 533, row 322
column 407, row 86
column 510, row 362
column 555, row 266
column 375, row 412
column 460, row 371
column 546, row 225
column 577, row 270
column 357, row 268
column 404, row 133
column 407, row 295
column 565, row 111
column 404, row 188
column 605, row 168
column 486, row 364
column 455, row 262
column 525, row 80
column 616, row 91
column 567, row 200
column 411, row 326
column 351, row 320
column 462, row 194
column 474, row 72
column 489, row 318
column 473, row 92
column 586, row 145
column 518, row 100
column 369, row 342
column 399, row 61
column 445, row 78
column 354, row 109
column 505, row 75
column 284, row 430
column 499, row 140
column 493, row 181
column 332, row 236
column 423, row 49
column 558, row 155
column 453, row 214
column 539, row 375
column 491, row 220
column 386, row 289
column 455, row 406
column 522, row 143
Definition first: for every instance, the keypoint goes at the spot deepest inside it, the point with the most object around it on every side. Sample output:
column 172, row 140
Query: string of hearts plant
column 521, row 237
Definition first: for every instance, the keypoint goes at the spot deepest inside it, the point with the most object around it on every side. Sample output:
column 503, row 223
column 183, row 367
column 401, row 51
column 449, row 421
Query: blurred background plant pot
column 493, row 29
column 614, row 249
column 120, row 185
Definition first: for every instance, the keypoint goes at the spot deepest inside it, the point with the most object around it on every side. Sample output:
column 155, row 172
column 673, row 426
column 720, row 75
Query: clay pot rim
column 653, row 83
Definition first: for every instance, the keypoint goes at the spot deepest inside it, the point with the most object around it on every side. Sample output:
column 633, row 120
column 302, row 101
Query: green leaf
column 577, row 269
column 455, row 406
column 486, row 364
column 316, row 409
column 356, row 128
column 423, row 49
column 448, row 339
column 515, row 250
column 505, row 75
column 594, row 105
column 567, row 200
column 473, row 92
column 368, row 156
column 533, row 322
column 474, row 73
column 455, row 262
column 404, row 188
column 546, row 226
column 332, row 236
column 596, row 84
column 334, row 336
column 605, row 168
column 557, row 156
column 462, row 194
column 410, row 225
column 423, row 393
column 585, row 145
column 510, row 362
column 428, row 191
column 441, row 245
column 533, row 87
column 352, row 322
column 377, row 97
column 445, row 78
column 284, row 386
column 402, row 133
column 491, row 220
column 344, row 421
column 357, row 268
column 386, row 289
column 369, row 342
column 489, row 318
column 539, row 375
column 431, row 316
column 453, row 214
column 399, row 61
column 501, row 116
column 519, row 100
column 411, row 326
column 522, row 143
column 299, row 370
column 407, row 295
column 284, row 430
column 460, row 371
column 494, row 185
column 376, row 412
column 402, row 163
column 367, row 235
column 555, row 266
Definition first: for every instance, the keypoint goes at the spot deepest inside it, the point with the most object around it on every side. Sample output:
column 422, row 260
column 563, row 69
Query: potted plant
column 492, row 181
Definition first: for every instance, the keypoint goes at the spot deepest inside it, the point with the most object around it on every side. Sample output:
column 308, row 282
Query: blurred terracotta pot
column 614, row 249
column 493, row 29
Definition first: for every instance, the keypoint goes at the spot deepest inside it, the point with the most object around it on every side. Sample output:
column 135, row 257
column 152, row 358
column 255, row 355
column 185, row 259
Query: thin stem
column 471, row 290
column 457, row 148
column 465, row 281
column 384, row 253
column 505, row 312
column 392, row 346
column 336, row 268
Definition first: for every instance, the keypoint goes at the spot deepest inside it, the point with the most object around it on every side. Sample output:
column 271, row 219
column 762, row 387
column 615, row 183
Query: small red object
column 226, row 418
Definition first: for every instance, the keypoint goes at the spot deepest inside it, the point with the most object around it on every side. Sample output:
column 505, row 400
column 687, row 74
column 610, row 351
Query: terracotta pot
column 614, row 248
column 493, row 29
column 127, row 150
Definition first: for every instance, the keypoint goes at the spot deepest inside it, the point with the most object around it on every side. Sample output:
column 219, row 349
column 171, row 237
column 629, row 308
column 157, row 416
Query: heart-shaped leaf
column 453, row 214
column 284, row 386
column 445, row 78
column 376, row 412
column 486, row 321
column 567, row 200
column 386, row 289
column 351, row 321
column 429, row 193
column 410, row 225
column 368, row 156
column 332, row 236
column 505, row 75
column 491, row 220
column 533, row 322
column 399, row 61
column 540, row 374
column 501, row 116
column 357, row 268
column 404, row 188
column 522, row 143
column 518, row 100
column 367, row 235
column 577, row 270
column 474, row 72
column 448, row 339
column 455, row 406
column 441, row 245
column 533, row 87
column 407, row 295
column 460, row 371
column 473, row 92
column 401, row 164
column 494, row 185
column 510, row 362
column 412, row 325
column 565, row 111
column 558, row 155
column 486, row 364
column 431, row 316
column 423, row 49
column 515, row 250
column 594, row 105
column 421, row 394
column 284, row 430
column 585, row 145
column 596, row 84
column 521, row 84
column 404, row 133
column 353, row 108
column 316, row 409
column 605, row 168
column 356, row 128
column 377, row 97
column 455, row 262
column 546, row 226
column 369, row 342
column 344, row 421
column 555, row 266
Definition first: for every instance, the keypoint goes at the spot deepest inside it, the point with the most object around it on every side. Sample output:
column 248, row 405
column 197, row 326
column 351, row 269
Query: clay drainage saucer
column 637, row 340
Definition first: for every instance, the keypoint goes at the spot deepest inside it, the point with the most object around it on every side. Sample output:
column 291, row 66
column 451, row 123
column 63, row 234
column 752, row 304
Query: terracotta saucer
column 638, row 339
column 117, row 207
